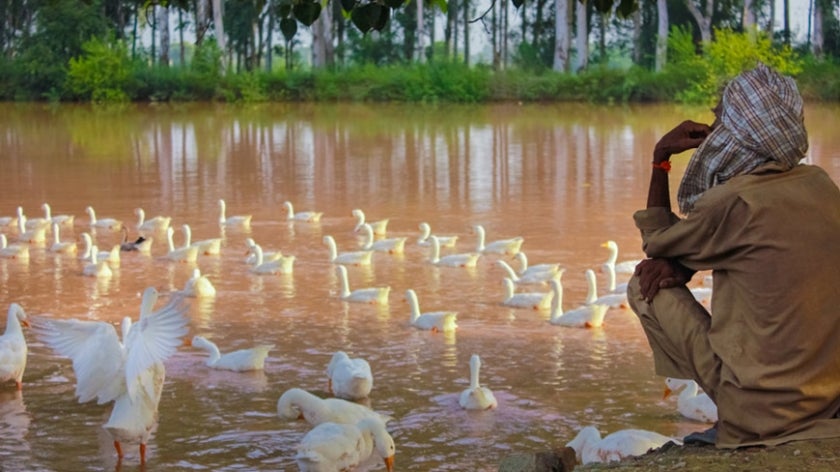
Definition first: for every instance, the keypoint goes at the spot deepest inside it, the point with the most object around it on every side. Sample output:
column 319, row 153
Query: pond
column 564, row 177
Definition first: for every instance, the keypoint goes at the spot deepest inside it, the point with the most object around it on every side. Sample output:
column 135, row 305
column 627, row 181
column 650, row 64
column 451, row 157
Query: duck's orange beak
column 389, row 464
column 187, row 342
column 667, row 393
column 25, row 324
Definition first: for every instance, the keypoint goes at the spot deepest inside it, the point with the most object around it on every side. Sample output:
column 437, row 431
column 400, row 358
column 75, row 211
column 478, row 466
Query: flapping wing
column 153, row 339
column 97, row 355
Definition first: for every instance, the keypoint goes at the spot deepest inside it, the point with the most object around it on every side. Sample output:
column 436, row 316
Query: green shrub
column 101, row 73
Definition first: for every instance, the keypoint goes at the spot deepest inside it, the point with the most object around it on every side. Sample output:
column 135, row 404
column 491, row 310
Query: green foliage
column 205, row 73
column 101, row 73
column 820, row 80
column 727, row 56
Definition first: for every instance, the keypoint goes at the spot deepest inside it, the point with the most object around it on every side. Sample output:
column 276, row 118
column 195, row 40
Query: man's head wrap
column 761, row 120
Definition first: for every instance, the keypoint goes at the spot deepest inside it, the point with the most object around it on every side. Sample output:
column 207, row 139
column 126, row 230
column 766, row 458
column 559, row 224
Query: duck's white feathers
column 380, row 227
column 467, row 259
column 343, row 447
column 349, row 378
column 13, row 348
column 307, row 216
column 390, row 245
column 295, row 403
column 508, row 247
column 584, row 316
column 431, row 320
column 477, row 397
column 426, row 232
column 240, row 360
column 361, row 258
column 691, row 402
column 372, row 295
column 531, row 300
column 590, row 447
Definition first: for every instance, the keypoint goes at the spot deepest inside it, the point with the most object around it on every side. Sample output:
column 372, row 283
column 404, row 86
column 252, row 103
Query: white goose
column 268, row 256
column 508, row 247
column 590, row 447
column 379, row 227
column 477, row 397
column 526, row 270
column 306, row 216
column 34, row 223
column 37, row 235
column 152, row 225
column 208, row 247
column 59, row 246
column 584, row 316
column 238, row 221
column 96, row 266
column 349, row 378
column 624, row 267
column 371, row 295
column 296, row 403
column 612, row 299
column 112, row 224
column 691, row 402
column 436, row 321
column 238, row 361
column 13, row 251
column 62, row 220
column 13, row 348
column 10, row 221
column 359, row 258
column 530, row 300
column 337, row 447
column 612, row 285
column 283, row 265
column 130, row 374
column 444, row 241
column 390, row 245
column 199, row 286
column 538, row 277
column 466, row 259
column 181, row 254
column 112, row 256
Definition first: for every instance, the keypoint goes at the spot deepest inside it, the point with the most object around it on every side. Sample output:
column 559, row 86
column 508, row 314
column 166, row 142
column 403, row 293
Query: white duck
column 390, row 245
column 34, row 223
column 62, row 220
column 444, row 241
column 526, row 270
column 242, row 222
column 152, row 225
column 10, row 221
column 112, row 256
column 97, row 267
column 37, row 235
column 590, row 447
column 477, row 397
column 379, row 227
column 349, row 378
column 296, row 403
column 112, row 224
column 199, row 286
column 131, row 373
column 538, row 277
column 530, row 300
column 238, row 361
column 306, row 216
column 624, row 267
column 359, row 258
column 584, row 316
column 508, row 247
column 371, row 295
column 612, row 299
column 691, row 402
column 612, row 284
column 181, row 254
column 437, row 321
column 338, row 447
column 282, row 265
column 59, row 246
column 13, row 348
column 208, row 247
column 466, row 259
column 251, row 255
column 13, row 251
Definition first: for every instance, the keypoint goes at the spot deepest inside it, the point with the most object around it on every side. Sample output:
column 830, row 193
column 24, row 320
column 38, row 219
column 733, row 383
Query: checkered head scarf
column 761, row 120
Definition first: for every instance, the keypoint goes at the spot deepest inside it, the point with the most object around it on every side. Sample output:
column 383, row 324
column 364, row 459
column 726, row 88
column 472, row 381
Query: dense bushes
column 104, row 71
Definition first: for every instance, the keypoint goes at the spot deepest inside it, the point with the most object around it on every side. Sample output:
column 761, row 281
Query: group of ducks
column 345, row 434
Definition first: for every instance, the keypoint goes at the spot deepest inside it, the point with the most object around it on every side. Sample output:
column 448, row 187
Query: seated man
column 769, row 229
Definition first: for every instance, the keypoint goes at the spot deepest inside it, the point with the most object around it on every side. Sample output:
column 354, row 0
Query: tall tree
column 581, row 36
column 703, row 18
column 662, row 26
column 323, row 49
column 163, row 28
column 561, row 35
column 419, row 53
column 218, row 24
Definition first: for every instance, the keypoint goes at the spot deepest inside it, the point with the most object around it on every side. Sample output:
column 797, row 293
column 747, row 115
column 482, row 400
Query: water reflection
column 564, row 177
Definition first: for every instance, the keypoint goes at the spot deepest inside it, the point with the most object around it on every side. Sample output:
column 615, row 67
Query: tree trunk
column 466, row 32
column 786, row 14
column 817, row 29
column 561, row 35
column 181, row 49
column 661, row 34
column 703, row 21
column 269, row 37
column 637, row 36
column 419, row 44
column 748, row 17
column 581, row 36
column 219, row 26
column 163, row 27
column 323, row 51
column 202, row 22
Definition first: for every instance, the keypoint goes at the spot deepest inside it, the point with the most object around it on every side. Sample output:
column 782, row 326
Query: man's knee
column 634, row 295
